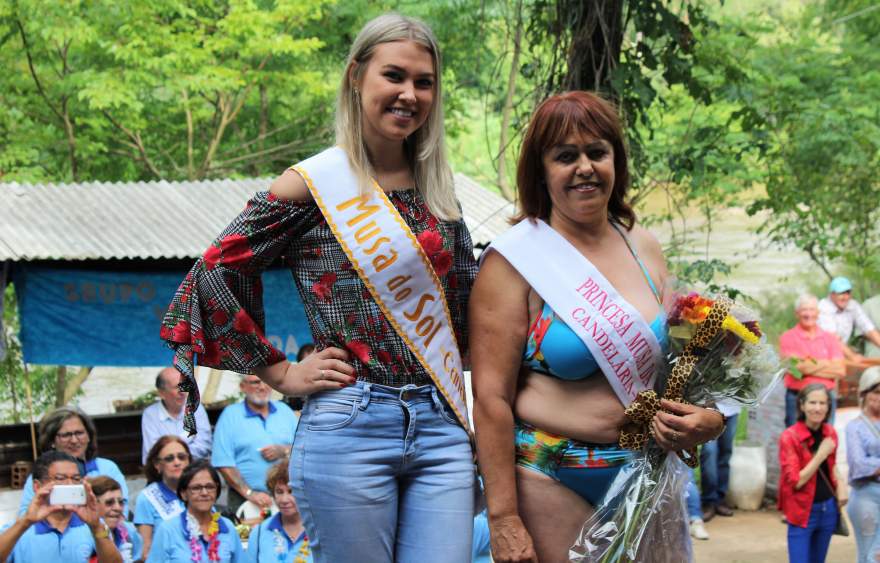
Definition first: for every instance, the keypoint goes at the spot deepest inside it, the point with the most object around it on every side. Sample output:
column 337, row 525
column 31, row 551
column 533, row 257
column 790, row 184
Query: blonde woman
column 381, row 465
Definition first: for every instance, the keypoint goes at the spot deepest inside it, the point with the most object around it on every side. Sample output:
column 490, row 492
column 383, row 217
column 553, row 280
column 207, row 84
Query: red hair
column 556, row 118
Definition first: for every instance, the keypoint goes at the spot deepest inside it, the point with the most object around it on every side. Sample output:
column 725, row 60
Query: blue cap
column 840, row 284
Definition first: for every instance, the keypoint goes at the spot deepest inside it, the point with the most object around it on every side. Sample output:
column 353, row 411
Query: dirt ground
column 758, row 537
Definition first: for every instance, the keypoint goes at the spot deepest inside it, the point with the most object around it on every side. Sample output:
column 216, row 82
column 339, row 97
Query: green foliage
column 13, row 389
column 813, row 98
column 144, row 400
column 172, row 89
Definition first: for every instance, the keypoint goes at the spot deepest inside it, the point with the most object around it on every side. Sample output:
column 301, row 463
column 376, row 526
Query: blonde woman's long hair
column 425, row 148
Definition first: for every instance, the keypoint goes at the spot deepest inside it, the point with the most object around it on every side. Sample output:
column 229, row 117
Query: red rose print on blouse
column 219, row 317
column 178, row 333
column 234, row 251
column 360, row 350
column 432, row 243
column 442, row 262
column 384, row 356
column 243, row 323
column 322, row 288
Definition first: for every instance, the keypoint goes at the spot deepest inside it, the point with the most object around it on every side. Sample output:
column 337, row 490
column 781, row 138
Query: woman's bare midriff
column 585, row 410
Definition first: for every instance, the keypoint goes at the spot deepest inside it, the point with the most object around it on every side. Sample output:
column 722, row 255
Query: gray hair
column 803, row 299
column 426, row 147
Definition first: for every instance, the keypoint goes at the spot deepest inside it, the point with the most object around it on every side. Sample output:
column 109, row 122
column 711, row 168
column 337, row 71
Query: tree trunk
column 506, row 190
column 72, row 386
column 264, row 123
column 595, row 45
column 60, row 383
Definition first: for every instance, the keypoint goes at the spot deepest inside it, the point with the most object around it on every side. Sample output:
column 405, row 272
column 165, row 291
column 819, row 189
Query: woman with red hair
column 567, row 324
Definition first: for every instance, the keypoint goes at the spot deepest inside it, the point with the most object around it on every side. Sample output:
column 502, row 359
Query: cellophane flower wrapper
column 643, row 517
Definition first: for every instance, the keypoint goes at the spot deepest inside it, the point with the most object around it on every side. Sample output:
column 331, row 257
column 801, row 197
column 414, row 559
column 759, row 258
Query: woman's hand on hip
column 511, row 543
column 681, row 427
column 321, row 371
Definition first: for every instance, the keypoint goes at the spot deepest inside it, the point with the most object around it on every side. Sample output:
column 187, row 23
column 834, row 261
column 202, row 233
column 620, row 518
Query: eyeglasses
column 114, row 502
column 78, row 434
column 182, row 456
column 207, row 488
column 64, row 479
column 253, row 382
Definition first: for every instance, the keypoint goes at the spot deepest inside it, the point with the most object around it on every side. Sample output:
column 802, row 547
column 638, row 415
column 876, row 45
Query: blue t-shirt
column 42, row 543
column 481, row 547
column 171, row 543
column 145, row 511
column 93, row 468
column 241, row 432
column 133, row 548
column 269, row 543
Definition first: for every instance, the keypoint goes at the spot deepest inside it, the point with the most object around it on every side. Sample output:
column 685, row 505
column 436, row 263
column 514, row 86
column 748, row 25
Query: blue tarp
column 102, row 318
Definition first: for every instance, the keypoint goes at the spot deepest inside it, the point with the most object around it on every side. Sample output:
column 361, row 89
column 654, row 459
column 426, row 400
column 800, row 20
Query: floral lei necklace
column 281, row 542
column 193, row 532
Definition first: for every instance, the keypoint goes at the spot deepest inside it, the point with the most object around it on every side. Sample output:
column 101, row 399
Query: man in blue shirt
column 166, row 417
column 248, row 438
column 57, row 533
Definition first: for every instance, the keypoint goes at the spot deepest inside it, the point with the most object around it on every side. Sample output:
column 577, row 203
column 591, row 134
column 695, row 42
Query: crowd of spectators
column 177, row 516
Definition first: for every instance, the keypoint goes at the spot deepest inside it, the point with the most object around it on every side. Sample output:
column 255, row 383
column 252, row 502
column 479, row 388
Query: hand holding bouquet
column 716, row 353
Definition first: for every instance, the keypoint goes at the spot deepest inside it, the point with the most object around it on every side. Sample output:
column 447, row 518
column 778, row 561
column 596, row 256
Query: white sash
column 393, row 266
column 165, row 509
column 621, row 342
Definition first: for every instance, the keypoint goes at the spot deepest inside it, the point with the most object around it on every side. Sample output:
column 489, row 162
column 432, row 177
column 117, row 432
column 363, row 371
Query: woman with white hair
column 863, row 458
column 381, row 467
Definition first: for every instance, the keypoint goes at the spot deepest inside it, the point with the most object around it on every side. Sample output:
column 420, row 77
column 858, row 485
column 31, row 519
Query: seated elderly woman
column 567, row 324
column 69, row 430
column 111, row 509
column 280, row 537
column 158, row 502
column 199, row 534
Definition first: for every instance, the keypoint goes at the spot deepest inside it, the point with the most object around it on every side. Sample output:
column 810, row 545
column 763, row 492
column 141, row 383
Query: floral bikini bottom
column 585, row 468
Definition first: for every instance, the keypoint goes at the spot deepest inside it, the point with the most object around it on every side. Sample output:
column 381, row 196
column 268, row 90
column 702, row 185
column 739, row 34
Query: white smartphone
column 68, row 494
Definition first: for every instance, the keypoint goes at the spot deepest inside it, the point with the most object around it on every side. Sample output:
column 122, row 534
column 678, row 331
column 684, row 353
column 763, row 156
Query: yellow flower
column 304, row 552
column 737, row 328
column 214, row 527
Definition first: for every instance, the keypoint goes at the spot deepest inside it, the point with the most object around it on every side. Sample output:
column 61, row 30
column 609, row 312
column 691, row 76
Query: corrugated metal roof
column 155, row 220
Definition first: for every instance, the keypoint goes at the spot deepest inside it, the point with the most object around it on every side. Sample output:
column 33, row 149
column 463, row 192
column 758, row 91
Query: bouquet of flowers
column 717, row 353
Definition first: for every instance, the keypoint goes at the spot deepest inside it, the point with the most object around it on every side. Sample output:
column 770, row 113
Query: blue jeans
column 715, row 464
column 810, row 544
column 791, row 407
column 693, row 498
column 383, row 474
column 864, row 513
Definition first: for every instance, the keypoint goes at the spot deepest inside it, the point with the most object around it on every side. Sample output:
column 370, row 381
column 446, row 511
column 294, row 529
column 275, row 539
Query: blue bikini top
column 553, row 348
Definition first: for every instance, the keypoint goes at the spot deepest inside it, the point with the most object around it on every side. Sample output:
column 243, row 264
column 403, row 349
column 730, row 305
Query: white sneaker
column 698, row 530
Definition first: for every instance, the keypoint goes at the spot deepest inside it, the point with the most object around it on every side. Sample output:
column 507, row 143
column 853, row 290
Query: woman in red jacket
column 807, row 482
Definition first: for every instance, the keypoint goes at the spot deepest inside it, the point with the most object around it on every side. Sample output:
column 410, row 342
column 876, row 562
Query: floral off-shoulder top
column 217, row 315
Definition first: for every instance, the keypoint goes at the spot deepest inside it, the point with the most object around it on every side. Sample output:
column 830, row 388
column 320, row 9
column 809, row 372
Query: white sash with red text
column 622, row 343
column 394, row 267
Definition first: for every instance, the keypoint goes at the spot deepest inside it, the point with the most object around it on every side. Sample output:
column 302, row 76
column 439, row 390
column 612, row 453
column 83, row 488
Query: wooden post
column 212, row 387
column 27, row 388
